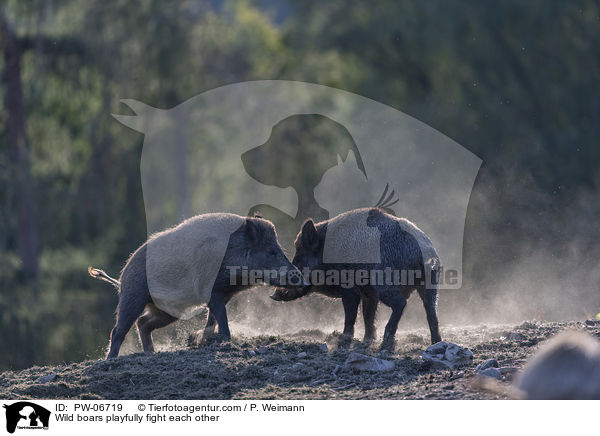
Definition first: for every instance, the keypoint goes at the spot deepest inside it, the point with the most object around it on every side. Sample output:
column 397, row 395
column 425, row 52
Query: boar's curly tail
column 386, row 202
column 101, row 275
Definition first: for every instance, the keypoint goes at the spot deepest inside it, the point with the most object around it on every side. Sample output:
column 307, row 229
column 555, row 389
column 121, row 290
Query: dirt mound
column 296, row 366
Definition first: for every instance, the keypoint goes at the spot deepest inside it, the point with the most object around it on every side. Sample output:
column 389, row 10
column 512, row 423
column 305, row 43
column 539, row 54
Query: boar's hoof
column 344, row 341
column 368, row 340
column 219, row 338
column 388, row 344
column 214, row 338
column 199, row 339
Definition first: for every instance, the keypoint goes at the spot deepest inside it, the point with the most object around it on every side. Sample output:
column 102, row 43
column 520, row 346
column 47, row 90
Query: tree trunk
column 27, row 238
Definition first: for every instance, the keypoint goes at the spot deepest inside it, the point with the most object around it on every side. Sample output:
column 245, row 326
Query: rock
column 490, row 363
column 446, row 355
column 302, row 355
column 384, row 353
column 457, row 375
column 324, row 348
column 508, row 370
column 491, row 372
column 252, row 352
column 47, row 378
column 262, row 350
column 298, row 365
column 515, row 337
column 361, row 362
column 437, row 348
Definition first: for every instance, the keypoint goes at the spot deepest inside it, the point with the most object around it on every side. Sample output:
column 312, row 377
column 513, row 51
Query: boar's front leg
column 211, row 322
column 216, row 305
column 350, row 300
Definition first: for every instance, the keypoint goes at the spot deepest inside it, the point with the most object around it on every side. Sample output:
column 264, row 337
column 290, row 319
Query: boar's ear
column 251, row 230
column 310, row 238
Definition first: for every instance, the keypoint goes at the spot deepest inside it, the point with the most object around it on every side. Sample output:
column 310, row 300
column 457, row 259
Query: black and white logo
column 26, row 415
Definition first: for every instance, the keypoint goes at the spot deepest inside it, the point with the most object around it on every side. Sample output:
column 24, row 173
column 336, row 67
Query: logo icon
column 26, row 415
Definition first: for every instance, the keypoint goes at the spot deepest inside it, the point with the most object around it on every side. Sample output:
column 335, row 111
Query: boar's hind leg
column 393, row 298
column 132, row 301
column 152, row 320
column 369, row 310
column 429, row 298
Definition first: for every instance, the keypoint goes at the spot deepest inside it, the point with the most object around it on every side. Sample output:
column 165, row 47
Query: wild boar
column 199, row 262
column 374, row 243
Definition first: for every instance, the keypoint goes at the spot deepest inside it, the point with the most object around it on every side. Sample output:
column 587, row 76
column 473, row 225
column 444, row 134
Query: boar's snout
column 295, row 288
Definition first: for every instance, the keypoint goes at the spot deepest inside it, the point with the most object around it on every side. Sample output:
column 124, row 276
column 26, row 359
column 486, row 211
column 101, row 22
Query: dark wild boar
column 400, row 245
column 189, row 266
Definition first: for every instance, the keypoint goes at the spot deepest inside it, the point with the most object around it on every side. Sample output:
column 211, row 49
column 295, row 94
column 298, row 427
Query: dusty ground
column 268, row 367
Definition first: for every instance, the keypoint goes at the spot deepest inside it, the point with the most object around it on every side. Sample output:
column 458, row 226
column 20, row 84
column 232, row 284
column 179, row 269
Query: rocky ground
column 306, row 365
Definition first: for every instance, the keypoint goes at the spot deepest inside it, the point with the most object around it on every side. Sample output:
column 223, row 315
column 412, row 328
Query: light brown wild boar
column 199, row 262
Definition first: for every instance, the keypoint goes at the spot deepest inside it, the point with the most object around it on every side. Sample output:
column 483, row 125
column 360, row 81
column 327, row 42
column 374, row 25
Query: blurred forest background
column 517, row 83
